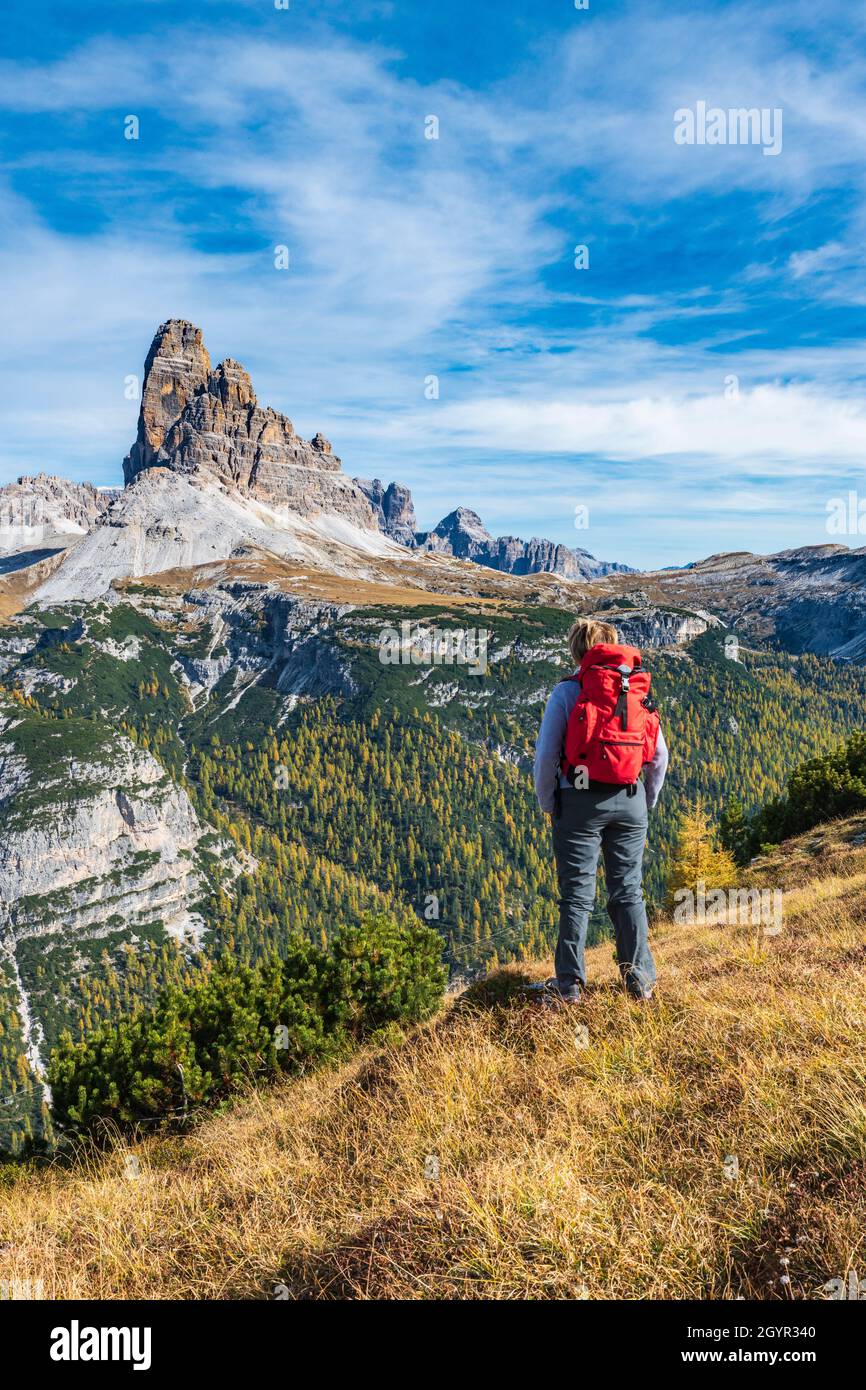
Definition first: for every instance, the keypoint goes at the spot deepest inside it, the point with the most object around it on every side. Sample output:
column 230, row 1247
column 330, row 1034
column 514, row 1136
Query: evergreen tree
column 735, row 833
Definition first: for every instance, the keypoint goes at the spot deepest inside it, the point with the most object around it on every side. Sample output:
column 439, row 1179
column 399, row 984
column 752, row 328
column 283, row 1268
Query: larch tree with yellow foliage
column 697, row 859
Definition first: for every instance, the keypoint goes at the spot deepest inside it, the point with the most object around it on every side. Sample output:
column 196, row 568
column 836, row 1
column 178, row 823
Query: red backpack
column 613, row 728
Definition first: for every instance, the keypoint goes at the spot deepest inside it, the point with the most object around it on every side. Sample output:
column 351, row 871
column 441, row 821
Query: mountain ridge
column 463, row 535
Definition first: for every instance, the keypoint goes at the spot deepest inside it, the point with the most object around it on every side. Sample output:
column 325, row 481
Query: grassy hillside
column 489, row 1153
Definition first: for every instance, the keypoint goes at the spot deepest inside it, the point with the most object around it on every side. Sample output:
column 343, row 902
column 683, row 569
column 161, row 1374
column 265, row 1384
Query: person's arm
column 548, row 749
column 655, row 772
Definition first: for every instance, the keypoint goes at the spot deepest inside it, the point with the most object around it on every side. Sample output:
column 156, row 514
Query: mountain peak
column 177, row 365
column 231, row 382
column 207, row 423
column 463, row 520
column 393, row 508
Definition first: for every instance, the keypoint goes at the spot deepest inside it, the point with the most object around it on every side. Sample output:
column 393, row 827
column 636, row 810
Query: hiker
column 600, row 727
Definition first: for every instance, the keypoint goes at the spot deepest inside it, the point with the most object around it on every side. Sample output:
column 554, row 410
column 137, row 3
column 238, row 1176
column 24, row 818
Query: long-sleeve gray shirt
column 551, row 736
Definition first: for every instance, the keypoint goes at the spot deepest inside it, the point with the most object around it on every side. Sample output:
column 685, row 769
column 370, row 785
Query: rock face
column 393, row 507
column 87, row 842
column 176, row 367
column 99, row 849
column 463, row 534
column 44, row 513
column 648, row 625
column 206, row 422
column 811, row 599
column 261, row 635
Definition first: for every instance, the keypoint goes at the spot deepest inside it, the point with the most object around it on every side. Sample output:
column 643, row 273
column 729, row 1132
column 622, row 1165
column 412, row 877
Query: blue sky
column 608, row 388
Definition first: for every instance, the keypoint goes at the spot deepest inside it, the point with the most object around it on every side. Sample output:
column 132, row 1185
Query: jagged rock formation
column 176, row 367
column 463, row 534
column 212, row 471
column 202, row 422
column 393, row 508
column 43, row 513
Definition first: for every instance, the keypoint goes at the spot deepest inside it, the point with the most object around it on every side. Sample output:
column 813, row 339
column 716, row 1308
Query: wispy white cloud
column 770, row 425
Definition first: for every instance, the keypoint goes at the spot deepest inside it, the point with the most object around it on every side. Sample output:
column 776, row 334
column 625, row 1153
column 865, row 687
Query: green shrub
column 388, row 972
column 819, row 790
column 240, row 1023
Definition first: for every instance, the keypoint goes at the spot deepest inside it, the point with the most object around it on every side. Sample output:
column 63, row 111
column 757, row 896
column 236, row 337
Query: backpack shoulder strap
column 557, row 790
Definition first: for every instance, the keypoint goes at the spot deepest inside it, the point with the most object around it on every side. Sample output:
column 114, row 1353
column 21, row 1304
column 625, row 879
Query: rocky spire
column 231, row 382
column 176, row 367
column 393, row 507
column 207, row 423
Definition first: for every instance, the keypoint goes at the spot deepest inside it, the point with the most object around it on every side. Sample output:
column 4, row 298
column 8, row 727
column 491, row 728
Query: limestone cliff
column 394, row 509
column 99, row 849
column 91, row 833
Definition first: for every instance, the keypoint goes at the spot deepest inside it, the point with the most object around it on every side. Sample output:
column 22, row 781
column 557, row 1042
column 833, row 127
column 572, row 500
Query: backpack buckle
column 621, row 710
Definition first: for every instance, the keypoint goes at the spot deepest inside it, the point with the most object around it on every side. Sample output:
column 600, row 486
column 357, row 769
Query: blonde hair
column 586, row 633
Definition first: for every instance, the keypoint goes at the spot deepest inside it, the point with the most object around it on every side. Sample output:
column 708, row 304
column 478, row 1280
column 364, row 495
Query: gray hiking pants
column 615, row 823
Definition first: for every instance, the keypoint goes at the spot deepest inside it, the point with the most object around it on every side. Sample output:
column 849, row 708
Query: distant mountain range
column 463, row 534
column 43, row 514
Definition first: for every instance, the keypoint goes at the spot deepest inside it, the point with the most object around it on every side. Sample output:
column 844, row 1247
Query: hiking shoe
column 553, row 993
column 565, row 994
column 645, row 998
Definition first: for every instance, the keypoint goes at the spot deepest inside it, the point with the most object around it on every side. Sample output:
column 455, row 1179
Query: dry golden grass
column 390, row 581
column 564, row 1171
